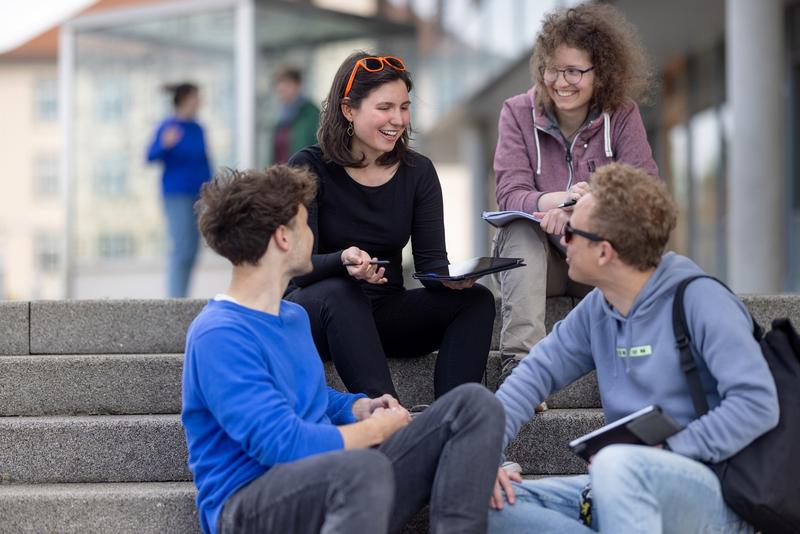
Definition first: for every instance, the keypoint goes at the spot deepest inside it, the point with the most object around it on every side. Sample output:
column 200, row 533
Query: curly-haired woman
column 588, row 68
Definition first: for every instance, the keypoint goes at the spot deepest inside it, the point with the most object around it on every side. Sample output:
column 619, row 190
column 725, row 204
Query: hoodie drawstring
column 606, row 131
column 536, row 138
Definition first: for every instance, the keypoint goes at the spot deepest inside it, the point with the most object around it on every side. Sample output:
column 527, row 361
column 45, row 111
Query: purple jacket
column 531, row 161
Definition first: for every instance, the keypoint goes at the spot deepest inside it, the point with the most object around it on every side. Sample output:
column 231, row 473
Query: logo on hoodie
column 635, row 352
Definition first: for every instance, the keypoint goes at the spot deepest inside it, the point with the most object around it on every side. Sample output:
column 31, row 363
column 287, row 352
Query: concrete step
column 121, row 508
column 132, row 384
column 541, row 447
column 131, row 448
column 159, row 326
column 90, row 384
column 38, row 450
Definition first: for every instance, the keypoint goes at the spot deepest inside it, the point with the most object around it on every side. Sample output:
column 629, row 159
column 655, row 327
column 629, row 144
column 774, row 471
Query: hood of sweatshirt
column 635, row 355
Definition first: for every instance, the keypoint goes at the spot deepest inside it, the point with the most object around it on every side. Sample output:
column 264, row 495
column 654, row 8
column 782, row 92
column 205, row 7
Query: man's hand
column 375, row 429
column 503, row 482
column 360, row 267
column 553, row 221
column 363, row 408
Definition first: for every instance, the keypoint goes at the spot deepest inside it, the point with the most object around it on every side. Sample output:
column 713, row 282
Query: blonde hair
column 634, row 212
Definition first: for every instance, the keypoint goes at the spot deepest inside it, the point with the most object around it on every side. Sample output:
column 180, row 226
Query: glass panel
column 121, row 72
column 705, row 172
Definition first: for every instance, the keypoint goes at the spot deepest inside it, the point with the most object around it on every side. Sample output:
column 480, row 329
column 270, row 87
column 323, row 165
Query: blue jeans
column 634, row 489
column 183, row 241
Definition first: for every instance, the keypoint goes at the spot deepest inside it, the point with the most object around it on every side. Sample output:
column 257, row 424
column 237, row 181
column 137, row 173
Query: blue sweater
column 254, row 395
column 637, row 363
column 186, row 164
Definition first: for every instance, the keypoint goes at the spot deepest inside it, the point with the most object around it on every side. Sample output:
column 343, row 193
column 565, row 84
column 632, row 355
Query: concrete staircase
column 90, row 436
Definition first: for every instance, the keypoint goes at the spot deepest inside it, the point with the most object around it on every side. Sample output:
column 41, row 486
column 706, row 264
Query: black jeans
column 359, row 329
column 447, row 456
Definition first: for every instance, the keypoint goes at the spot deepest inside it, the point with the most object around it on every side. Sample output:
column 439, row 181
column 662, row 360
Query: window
column 115, row 245
column 45, row 176
column 47, row 251
column 45, row 99
column 111, row 100
column 111, row 176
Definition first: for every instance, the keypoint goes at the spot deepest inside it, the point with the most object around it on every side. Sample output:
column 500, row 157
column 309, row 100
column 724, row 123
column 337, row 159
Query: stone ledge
column 111, row 326
column 35, row 450
column 14, row 327
column 90, row 384
column 122, row 508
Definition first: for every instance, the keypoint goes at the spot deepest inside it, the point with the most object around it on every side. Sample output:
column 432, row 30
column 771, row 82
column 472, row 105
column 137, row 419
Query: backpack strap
column 684, row 345
column 684, row 342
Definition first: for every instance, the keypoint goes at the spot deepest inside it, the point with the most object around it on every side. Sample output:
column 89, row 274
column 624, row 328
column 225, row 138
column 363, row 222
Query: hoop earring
column 350, row 130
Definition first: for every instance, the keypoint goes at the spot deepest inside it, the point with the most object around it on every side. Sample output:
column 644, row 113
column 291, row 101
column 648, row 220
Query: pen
column 568, row 203
column 371, row 262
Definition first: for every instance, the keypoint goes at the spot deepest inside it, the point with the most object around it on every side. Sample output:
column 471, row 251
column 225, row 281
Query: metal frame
column 244, row 50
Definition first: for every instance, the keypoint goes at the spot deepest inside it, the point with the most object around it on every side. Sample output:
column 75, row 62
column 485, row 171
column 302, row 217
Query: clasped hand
column 362, row 269
column 385, row 411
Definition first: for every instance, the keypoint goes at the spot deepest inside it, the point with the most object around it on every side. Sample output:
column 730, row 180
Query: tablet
column 474, row 268
column 648, row 426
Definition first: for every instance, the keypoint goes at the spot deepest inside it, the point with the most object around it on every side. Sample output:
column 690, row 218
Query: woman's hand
column 171, row 136
column 578, row 189
column 459, row 284
column 360, row 267
column 554, row 220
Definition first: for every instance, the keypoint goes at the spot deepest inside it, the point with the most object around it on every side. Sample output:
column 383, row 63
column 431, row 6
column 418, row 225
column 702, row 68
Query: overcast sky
column 21, row 20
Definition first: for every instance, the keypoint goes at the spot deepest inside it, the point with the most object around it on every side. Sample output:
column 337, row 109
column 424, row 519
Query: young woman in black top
column 374, row 194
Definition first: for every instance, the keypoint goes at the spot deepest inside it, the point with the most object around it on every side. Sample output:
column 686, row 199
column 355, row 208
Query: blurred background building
column 80, row 214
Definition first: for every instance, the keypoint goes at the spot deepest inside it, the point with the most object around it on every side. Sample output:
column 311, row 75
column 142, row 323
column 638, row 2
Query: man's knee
column 476, row 399
column 617, row 463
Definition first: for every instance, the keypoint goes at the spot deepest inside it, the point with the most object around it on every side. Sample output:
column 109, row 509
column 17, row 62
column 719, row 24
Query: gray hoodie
column 638, row 364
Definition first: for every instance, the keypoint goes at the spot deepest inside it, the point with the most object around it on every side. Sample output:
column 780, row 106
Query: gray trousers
column 525, row 290
column 447, row 457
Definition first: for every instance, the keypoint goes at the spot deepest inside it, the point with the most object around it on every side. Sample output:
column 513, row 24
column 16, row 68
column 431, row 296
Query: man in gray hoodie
column 623, row 329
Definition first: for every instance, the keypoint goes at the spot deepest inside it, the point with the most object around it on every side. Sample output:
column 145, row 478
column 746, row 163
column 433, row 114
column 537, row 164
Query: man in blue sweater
column 271, row 447
column 623, row 329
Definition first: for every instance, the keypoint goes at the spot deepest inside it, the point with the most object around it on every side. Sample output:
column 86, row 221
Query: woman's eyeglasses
column 572, row 75
column 570, row 232
column 374, row 64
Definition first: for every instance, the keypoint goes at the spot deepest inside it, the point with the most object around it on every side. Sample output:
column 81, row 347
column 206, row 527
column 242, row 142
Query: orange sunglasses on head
column 374, row 64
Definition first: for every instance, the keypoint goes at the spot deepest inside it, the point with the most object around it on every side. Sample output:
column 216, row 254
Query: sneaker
column 417, row 409
column 509, row 363
column 512, row 467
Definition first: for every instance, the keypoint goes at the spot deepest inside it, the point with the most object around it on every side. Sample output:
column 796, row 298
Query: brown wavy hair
column 624, row 195
column 240, row 210
column 332, row 134
column 621, row 67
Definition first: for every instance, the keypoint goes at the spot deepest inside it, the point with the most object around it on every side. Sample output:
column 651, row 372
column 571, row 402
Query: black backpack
column 761, row 482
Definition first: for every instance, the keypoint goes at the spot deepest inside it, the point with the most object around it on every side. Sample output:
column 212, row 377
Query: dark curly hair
column 332, row 133
column 621, row 66
column 240, row 210
column 623, row 194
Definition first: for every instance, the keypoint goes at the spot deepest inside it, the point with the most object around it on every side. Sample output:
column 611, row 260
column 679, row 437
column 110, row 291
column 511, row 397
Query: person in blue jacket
column 615, row 242
column 179, row 143
column 271, row 447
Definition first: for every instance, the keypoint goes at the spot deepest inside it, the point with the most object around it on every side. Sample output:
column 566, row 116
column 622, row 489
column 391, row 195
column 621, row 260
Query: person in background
column 179, row 144
column 271, row 447
column 588, row 67
column 298, row 119
column 615, row 241
column 375, row 194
